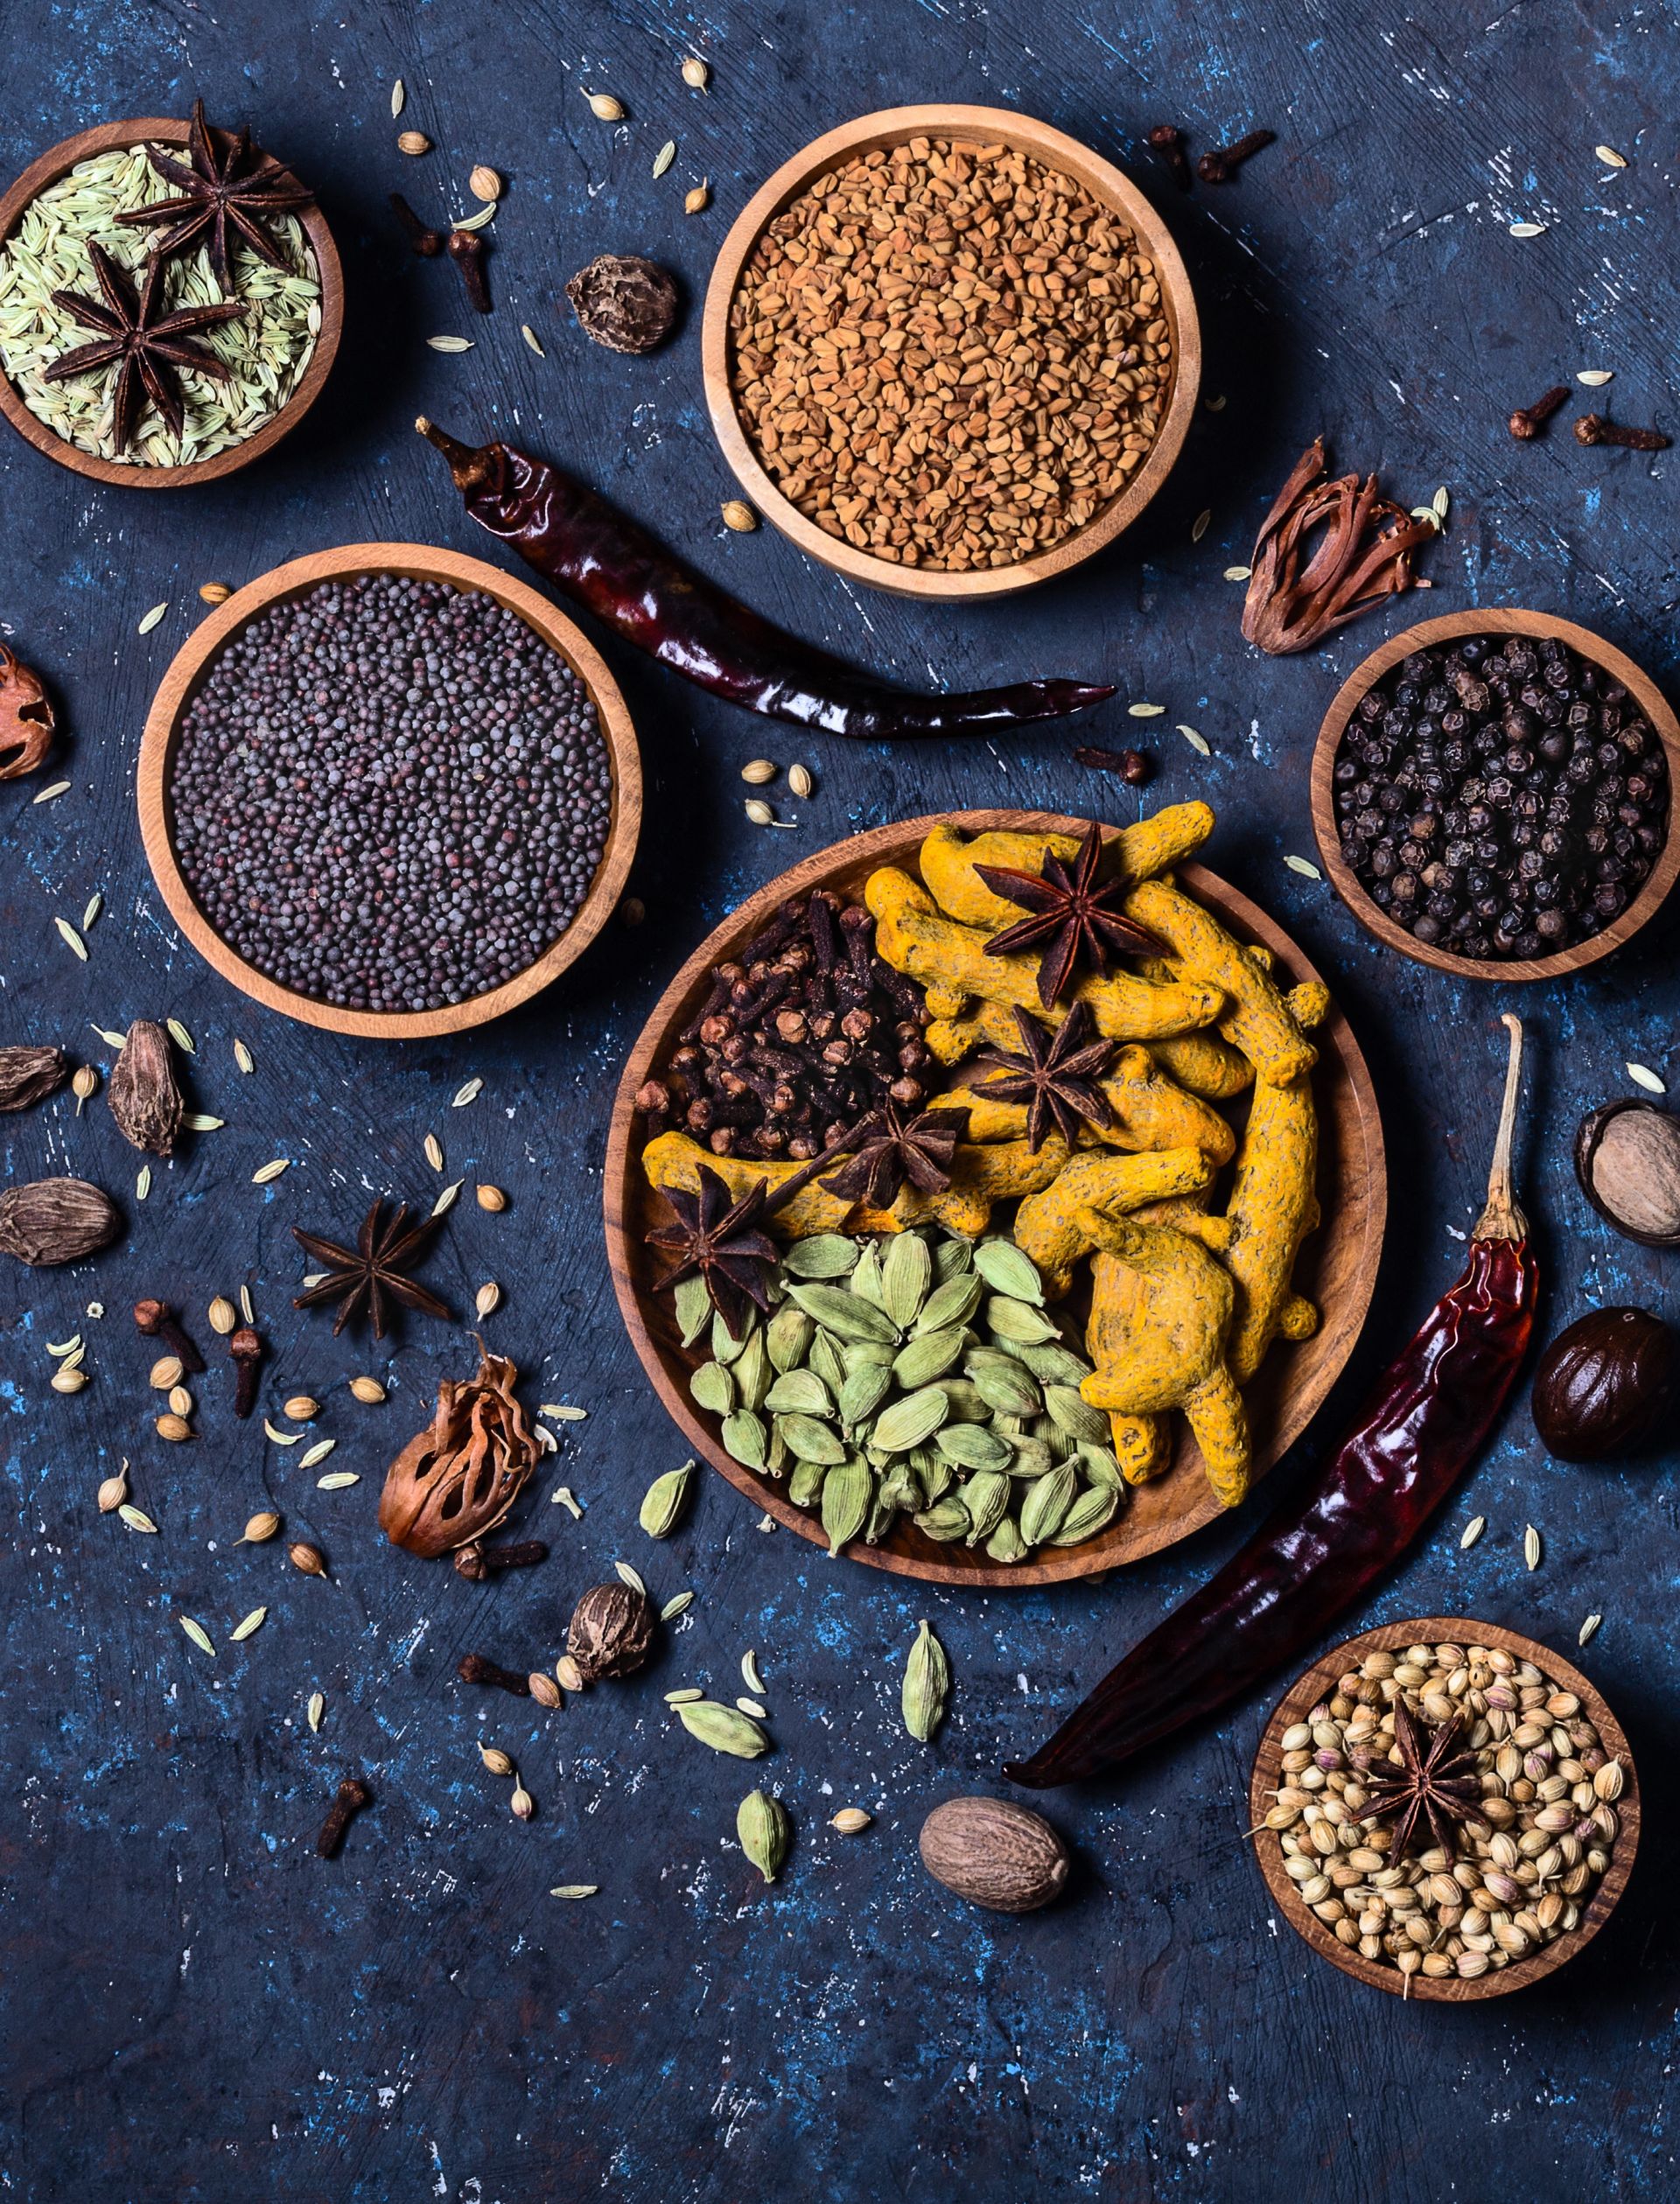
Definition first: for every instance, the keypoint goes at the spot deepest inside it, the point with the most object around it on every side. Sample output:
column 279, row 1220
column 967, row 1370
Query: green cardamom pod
column 693, row 1309
column 900, row 1484
column 909, row 1421
column 927, row 1681
column 1045, row 1506
column 866, row 1276
column 724, row 1728
column 1054, row 1365
column 933, row 1474
column 802, row 1393
column 826, row 1359
column 745, row 1438
column 844, row 1314
column 953, row 1303
column 788, row 1336
column 805, row 1484
column 761, row 1824
column 946, row 1520
column 725, row 1347
column 882, row 1514
column 967, row 1406
column 1007, row 1271
column 1050, row 1434
column 1032, row 1459
column 811, row 1441
column 751, row 1371
column 1091, row 1512
column 920, row 1360
column 1074, row 1414
column 906, row 1276
column 825, row 1254
column 1018, row 1323
column 847, row 1492
column 1005, row 1543
column 662, row 1505
column 986, row 1496
column 871, row 1354
column 1100, row 1466
column 972, row 1446
column 864, row 1391
column 713, row 1388
column 952, row 1259
column 1003, row 1386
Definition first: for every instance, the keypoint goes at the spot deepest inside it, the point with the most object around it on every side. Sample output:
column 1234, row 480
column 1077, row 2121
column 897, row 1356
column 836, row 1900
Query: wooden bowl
column 890, row 126
column 1338, row 1265
column 1449, row 628
column 1318, row 1683
column 420, row 562
column 164, row 130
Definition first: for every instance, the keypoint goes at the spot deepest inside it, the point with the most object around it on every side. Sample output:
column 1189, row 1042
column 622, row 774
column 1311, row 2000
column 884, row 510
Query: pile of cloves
column 465, row 247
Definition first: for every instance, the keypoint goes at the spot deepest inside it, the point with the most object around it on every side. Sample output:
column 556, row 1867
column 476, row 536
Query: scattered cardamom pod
column 662, row 1506
column 55, row 1220
column 29, row 1076
column 483, row 182
column 724, row 1728
column 761, row 1824
column 144, row 1097
column 927, row 1681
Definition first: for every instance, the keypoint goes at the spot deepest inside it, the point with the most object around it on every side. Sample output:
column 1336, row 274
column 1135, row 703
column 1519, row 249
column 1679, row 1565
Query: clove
column 155, row 1320
column 474, row 1669
column 428, row 244
column 1592, row 427
column 1220, row 166
column 1133, row 767
column 1168, row 141
column 476, row 1562
column 246, row 1348
column 354, row 1794
column 466, row 249
column 1525, row 421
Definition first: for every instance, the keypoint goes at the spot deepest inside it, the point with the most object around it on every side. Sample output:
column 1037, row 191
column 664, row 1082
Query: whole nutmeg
column 1628, row 1160
column 1607, row 1385
column 994, row 1853
column 610, row 1632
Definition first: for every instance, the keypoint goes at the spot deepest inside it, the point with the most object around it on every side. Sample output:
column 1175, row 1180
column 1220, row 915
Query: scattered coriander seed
column 173, row 1427
column 759, row 812
column 135, row 1521
column 738, row 515
column 522, row 1805
column 310, row 1559
column 605, row 107
column 84, row 1085
column 801, row 780
column 1473, row 1530
column 544, row 1690
column 697, row 201
column 571, row 1675
column 215, row 592
column 493, row 1199
column 260, row 1528
column 413, row 143
column 483, row 182
column 368, row 1391
column 487, row 1300
column 496, row 1760
column 112, row 1493
column 224, row 1317
column 696, row 74
column 164, row 1374
column 302, row 1407
column 180, row 1400
column 758, row 772
column 851, row 1820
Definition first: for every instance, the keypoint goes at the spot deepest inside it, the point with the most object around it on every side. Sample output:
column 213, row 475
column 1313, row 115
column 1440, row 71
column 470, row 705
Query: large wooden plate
column 1320, row 1683
column 1337, row 1270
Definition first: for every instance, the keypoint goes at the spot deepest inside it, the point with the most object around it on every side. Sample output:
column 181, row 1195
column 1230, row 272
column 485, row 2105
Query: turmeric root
column 674, row 1160
column 1205, row 1065
column 1160, row 1311
column 915, row 937
column 948, row 857
column 1049, row 1226
column 1256, row 1019
column 1140, row 1445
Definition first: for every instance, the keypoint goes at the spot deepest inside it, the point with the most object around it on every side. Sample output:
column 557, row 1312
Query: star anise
column 1437, row 1781
column 144, row 346
column 1055, row 1076
column 719, row 1242
column 890, row 1146
column 1072, row 914
column 371, row 1278
column 228, row 187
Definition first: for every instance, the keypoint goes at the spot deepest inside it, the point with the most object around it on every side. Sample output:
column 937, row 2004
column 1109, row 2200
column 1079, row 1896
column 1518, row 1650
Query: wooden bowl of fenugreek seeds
column 219, row 226
column 1465, row 1849
column 950, row 350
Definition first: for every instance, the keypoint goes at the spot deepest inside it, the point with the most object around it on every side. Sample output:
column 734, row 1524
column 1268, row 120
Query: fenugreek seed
column 496, row 1760
column 448, row 1197
column 605, row 107
column 739, row 517
column 215, row 592
column 1471, row 1531
column 135, row 1521
column 544, row 1690
column 1531, row 1547
column 316, row 1709
column 678, row 1604
column 697, row 201
column 260, row 1530
column 173, row 1427
column 522, row 1805
column 413, row 142
column 199, row 1634
column 368, row 1391
column 696, row 74
column 758, row 772
column 571, row 1675
column 434, row 1152
column 664, row 158
column 575, row 1890
column 180, row 1400
column 851, row 1820
column 270, row 1171
column 800, row 780
column 302, row 1407
column 224, row 1317
column 112, row 1493
column 318, row 1453
column 249, row 1627
column 493, row 1199
column 165, row 1373
column 483, row 182
column 662, row 1504
column 487, row 1300
column 530, row 335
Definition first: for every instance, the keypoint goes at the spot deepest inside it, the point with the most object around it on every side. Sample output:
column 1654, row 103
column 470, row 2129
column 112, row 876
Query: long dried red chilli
column 611, row 566
column 1322, row 1550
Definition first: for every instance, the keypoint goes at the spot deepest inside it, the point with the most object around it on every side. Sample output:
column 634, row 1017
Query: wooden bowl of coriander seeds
column 389, row 791
column 278, row 351
column 950, row 350
column 1539, row 1863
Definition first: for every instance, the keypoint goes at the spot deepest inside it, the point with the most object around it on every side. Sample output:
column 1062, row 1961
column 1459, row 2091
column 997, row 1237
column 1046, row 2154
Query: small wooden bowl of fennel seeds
column 1534, row 1790
column 277, row 351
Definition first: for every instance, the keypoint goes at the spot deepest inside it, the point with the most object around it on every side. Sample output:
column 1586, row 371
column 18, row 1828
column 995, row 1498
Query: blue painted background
column 196, row 2009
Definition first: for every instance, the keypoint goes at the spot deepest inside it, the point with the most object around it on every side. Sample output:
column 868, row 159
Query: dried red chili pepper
column 614, row 569
column 1323, row 1547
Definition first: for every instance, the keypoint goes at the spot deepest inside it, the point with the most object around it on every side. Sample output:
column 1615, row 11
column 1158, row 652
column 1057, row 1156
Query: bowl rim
column 421, row 562
column 46, row 170
column 1305, row 1693
column 620, row 1184
column 1057, row 148
column 1446, row 628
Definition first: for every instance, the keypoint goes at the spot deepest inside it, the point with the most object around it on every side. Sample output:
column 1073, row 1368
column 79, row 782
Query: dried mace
column 25, row 718
column 1326, row 552
column 458, row 1477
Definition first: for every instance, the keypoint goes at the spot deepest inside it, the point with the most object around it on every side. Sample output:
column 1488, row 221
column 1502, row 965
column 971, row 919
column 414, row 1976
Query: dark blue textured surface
column 196, row 2008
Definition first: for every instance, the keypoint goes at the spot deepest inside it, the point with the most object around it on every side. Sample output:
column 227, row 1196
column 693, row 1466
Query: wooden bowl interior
column 1338, row 1266
column 1450, row 628
column 891, row 127
column 166, row 130
column 1318, row 1683
column 190, row 666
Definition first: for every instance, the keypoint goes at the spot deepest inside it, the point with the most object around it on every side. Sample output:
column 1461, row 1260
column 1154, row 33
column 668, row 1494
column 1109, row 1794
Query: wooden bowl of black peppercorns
column 1493, row 795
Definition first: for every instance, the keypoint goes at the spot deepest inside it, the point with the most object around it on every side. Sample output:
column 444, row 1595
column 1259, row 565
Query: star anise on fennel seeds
column 1437, row 1782
column 371, row 1279
column 143, row 345
column 1072, row 914
column 718, row 1240
column 1056, row 1076
column 228, row 187
column 890, row 1146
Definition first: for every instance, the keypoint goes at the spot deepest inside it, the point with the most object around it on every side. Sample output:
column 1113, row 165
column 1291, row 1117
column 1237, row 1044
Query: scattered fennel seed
column 1471, row 1531
column 1642, row 1076
column 181, row 1037
column 530, row 335
column 631, row 1577
column 1197, row 742
column 1307, row 871
column 73, row 940
column 58, row 788
column 149, row 620
column 1145, row 711
column 1589, row 1628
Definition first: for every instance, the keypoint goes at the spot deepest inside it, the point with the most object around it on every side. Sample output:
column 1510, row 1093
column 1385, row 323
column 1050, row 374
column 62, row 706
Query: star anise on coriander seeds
column 371, row 1278
column 891, row 1146
column 1072, row 914
column 719, row 1242
column 144, row 346
column 1437, row 1782
column 228, row 187
column 1056, row 1076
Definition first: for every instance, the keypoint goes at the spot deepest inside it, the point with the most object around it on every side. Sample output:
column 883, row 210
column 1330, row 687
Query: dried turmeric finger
column 1205, row 1065
column 1049, row 1226
column 981, row 1177
column 947, row 858
column 674, row 1160
column 1258, row 1020
column 1139, row 1444
column 1272, row 1208
column 916, row 938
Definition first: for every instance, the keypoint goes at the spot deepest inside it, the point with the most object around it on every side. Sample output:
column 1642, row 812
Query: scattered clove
column 466, row 249
column 246, row 1348
column 1168, row 140
column 1524, row 423
column 354, row 1794
column 1133, row 767
column 474, row 1669
column 428, row 244
column 475, row 1561
column 1220, row 166
column 1592, row 427
column 155, row 1320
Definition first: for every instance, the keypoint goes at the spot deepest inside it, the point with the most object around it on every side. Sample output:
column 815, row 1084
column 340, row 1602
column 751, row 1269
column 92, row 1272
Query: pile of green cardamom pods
column 921, row 1374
